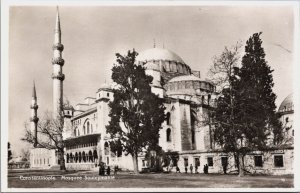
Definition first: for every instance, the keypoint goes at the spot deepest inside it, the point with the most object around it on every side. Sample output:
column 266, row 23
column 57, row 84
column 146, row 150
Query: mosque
column 187, row 132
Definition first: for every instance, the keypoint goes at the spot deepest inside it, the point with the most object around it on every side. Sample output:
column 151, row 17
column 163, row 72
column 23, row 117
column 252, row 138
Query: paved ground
column 90, row 179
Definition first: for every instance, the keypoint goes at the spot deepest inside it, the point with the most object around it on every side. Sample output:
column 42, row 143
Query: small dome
column 159, row 54
column 287, row 104
column 185, row 78
column 68, row 107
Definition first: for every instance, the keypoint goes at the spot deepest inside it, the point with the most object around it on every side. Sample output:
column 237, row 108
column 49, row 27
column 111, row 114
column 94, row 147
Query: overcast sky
column 92, row 36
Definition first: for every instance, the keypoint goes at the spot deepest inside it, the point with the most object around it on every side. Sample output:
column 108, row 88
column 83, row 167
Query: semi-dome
column 287, row 104
column 159, row 54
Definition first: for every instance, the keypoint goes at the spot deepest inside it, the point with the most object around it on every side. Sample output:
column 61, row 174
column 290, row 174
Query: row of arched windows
column 82, row 157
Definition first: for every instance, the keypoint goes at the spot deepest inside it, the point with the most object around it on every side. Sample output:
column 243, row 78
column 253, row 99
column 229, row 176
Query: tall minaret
column 57, row 75
column 34, row 119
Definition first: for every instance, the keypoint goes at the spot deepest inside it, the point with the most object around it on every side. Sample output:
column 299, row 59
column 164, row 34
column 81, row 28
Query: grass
column 163, row 180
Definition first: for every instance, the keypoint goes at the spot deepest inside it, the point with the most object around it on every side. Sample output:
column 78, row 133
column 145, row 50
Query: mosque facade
column 186, row 134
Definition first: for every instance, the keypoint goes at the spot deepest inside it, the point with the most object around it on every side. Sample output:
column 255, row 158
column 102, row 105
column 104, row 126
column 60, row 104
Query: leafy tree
column 136, row 113
column 246, row 112
column 25, row 153
column 255, row 86
column 9, row 153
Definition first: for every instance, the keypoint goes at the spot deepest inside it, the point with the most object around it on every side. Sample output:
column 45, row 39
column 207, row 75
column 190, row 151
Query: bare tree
column 50, row 135
column 223, row 66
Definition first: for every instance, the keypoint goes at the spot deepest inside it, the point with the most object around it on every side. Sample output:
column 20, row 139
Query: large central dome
column 159, row 54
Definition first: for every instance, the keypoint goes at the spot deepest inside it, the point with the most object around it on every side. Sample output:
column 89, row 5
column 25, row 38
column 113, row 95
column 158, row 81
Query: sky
column 93, row 34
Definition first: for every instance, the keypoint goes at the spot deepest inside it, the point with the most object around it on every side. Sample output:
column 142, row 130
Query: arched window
column 83, row 157
column 168, row 118
column 76, row 157
column 78, row 132
column 88, row 127
column 208, row 99
column 75, row 132
column 168, row 134
column 106, row 148
column 95, row 155
column 79, row 157
column 90, row 157
column 71, row 158
column 202, row 99
column 83, row 130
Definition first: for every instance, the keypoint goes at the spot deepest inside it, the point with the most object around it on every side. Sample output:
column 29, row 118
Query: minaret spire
column 34, row 91
column 34, row 119
column 57, row 28
column 154, row 44
column 57, row 75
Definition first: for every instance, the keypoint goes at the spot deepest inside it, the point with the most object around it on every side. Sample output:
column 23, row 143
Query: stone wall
column 268, row 163
column 42, row 158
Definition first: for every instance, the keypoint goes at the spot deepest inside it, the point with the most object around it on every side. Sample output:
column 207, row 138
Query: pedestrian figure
column 108, row 170
column 196, row 169
column 185, row 168
column 103, row 169
column 116, row 169
column 100, row 170
column 191, row 168
column 224, row 168
column 177, row 169
column 204, row 169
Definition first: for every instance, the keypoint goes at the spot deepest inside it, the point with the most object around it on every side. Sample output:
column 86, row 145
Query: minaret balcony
column 35, row 106
column 58, row 46
column 34, row 119
column 59, row 76
column 58, row 61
